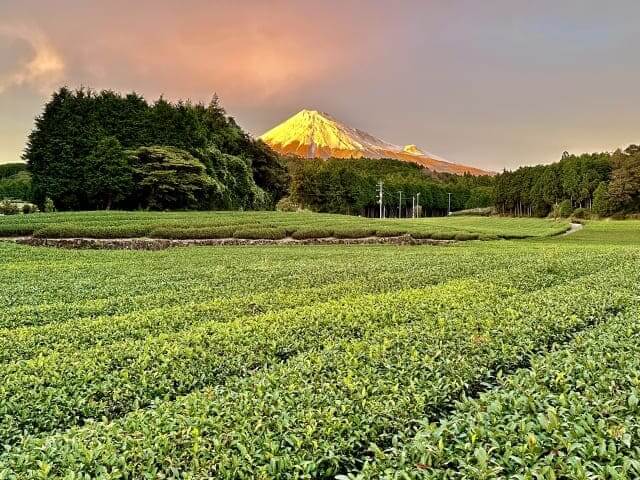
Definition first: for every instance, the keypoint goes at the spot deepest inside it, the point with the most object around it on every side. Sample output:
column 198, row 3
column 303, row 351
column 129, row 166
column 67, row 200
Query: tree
column 601, row 202
column 108, row 175
column 168, row 178
column 624, row 189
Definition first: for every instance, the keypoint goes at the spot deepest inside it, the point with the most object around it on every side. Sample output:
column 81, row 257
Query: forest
column 101, row 150
column 351, row 186
column 602, row 183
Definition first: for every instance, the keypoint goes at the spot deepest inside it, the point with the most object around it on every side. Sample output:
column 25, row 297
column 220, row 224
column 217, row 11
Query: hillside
column 313, row 134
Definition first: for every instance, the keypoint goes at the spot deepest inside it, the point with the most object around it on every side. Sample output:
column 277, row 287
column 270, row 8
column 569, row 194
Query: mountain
column 313, row 134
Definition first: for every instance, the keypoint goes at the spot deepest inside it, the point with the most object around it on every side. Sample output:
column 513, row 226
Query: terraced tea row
column 286, row 398
column 573, row 414
column 266, row 225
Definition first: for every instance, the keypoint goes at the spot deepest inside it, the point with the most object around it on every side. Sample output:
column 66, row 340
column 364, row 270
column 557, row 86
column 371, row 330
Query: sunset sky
column 493, row 84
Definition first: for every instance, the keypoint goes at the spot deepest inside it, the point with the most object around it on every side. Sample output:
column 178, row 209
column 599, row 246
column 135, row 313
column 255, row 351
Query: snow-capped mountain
column 313, row 134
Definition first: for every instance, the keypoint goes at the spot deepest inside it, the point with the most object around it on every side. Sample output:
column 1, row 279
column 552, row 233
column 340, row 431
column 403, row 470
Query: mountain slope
column 313, row 134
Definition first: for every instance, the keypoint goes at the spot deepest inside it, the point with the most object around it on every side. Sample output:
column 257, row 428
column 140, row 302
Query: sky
column 494, row 84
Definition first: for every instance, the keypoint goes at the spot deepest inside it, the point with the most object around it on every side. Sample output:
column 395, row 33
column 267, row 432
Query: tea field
column 267, row 225
column 494, row 359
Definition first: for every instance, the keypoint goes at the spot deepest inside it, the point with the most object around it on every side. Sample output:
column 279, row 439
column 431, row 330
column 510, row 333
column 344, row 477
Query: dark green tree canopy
column 73, row 123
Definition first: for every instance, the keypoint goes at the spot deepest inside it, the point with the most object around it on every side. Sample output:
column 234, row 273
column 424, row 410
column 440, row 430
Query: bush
column 260, row 233
column 15, row 230
column 581, row 213
column 9, row 208
column 305, row 233
column 463, row 237
column 79, row 231
column 49, row 207
column 444, row 236
column 565, row 208
column 28, row 208
column 177, row 233
column 354, row 233
column 287, row 205
column 389, row 232
column 421, row 235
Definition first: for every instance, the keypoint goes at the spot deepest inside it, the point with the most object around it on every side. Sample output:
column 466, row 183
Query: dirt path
column 573, row 228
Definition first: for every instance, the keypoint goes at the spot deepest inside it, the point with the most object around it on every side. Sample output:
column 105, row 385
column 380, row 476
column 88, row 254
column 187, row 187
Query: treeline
column 602, row 183
column 94, row 150
column 350, row 186
column 15, row 182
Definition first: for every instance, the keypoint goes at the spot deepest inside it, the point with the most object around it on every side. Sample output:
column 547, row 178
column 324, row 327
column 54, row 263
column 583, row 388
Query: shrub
column 389, row 232
column 353, row 233
column 444, row 236
column 260, row 233
column 565, row 208
column 15, row 230
column 29, row 208
column 80, row 231
column 421, row 235
column 305, row 233
column 463, row 237
column 582, row 214
column 49, row 207
column 177, row 233
column 8, row 208
column 287, row 205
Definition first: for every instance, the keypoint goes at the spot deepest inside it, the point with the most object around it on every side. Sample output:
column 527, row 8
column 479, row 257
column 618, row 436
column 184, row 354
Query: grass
column 249, row 225
column 360, row 361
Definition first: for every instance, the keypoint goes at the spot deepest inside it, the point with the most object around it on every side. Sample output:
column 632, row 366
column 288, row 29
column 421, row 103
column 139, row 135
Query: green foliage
column 8, row 208
column 350, row 186
column 259, row 233
column 315, row 362
column 62, row 149
column 565, row 209
column 287, row 205
column 168, row 178
column 16, row 186
column 192, row 233
column 10, row 169
column 601, row 201
column 49, row 206
column 480, row 197
column 534, row 191
column 108, row 176
column 306, row 233
column 624, row 189
column 140, row 223
column 353, row 232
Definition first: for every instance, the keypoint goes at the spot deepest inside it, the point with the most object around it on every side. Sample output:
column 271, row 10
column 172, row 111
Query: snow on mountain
column 313, row 134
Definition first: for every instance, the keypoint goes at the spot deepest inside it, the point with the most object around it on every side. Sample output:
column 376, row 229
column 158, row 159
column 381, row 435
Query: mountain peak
column 412, row 150
column 316, row 134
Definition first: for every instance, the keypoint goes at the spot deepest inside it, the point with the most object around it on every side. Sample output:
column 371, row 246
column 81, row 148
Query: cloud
column 42, row 70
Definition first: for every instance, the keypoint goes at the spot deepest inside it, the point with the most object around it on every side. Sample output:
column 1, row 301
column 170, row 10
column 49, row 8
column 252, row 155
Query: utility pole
column 413, row 206
column 400, row 206
column 418, row 205
column 380, row 196
column 449, row 209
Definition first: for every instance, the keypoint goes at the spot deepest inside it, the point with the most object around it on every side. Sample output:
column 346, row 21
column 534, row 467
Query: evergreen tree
column 108, row 176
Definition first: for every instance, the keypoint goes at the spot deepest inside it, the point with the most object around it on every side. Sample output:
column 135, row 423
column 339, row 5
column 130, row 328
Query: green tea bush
column 178, row 233
column 462, row 237
column 421, row 234
column 353, row 232
column 444, row 235
column 307, row 233
column 265, row 233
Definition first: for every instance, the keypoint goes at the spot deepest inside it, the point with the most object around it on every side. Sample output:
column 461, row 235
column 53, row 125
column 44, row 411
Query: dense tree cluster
column 603, row 182
column 15, row 182
column 351, row 186
column 101, row 150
